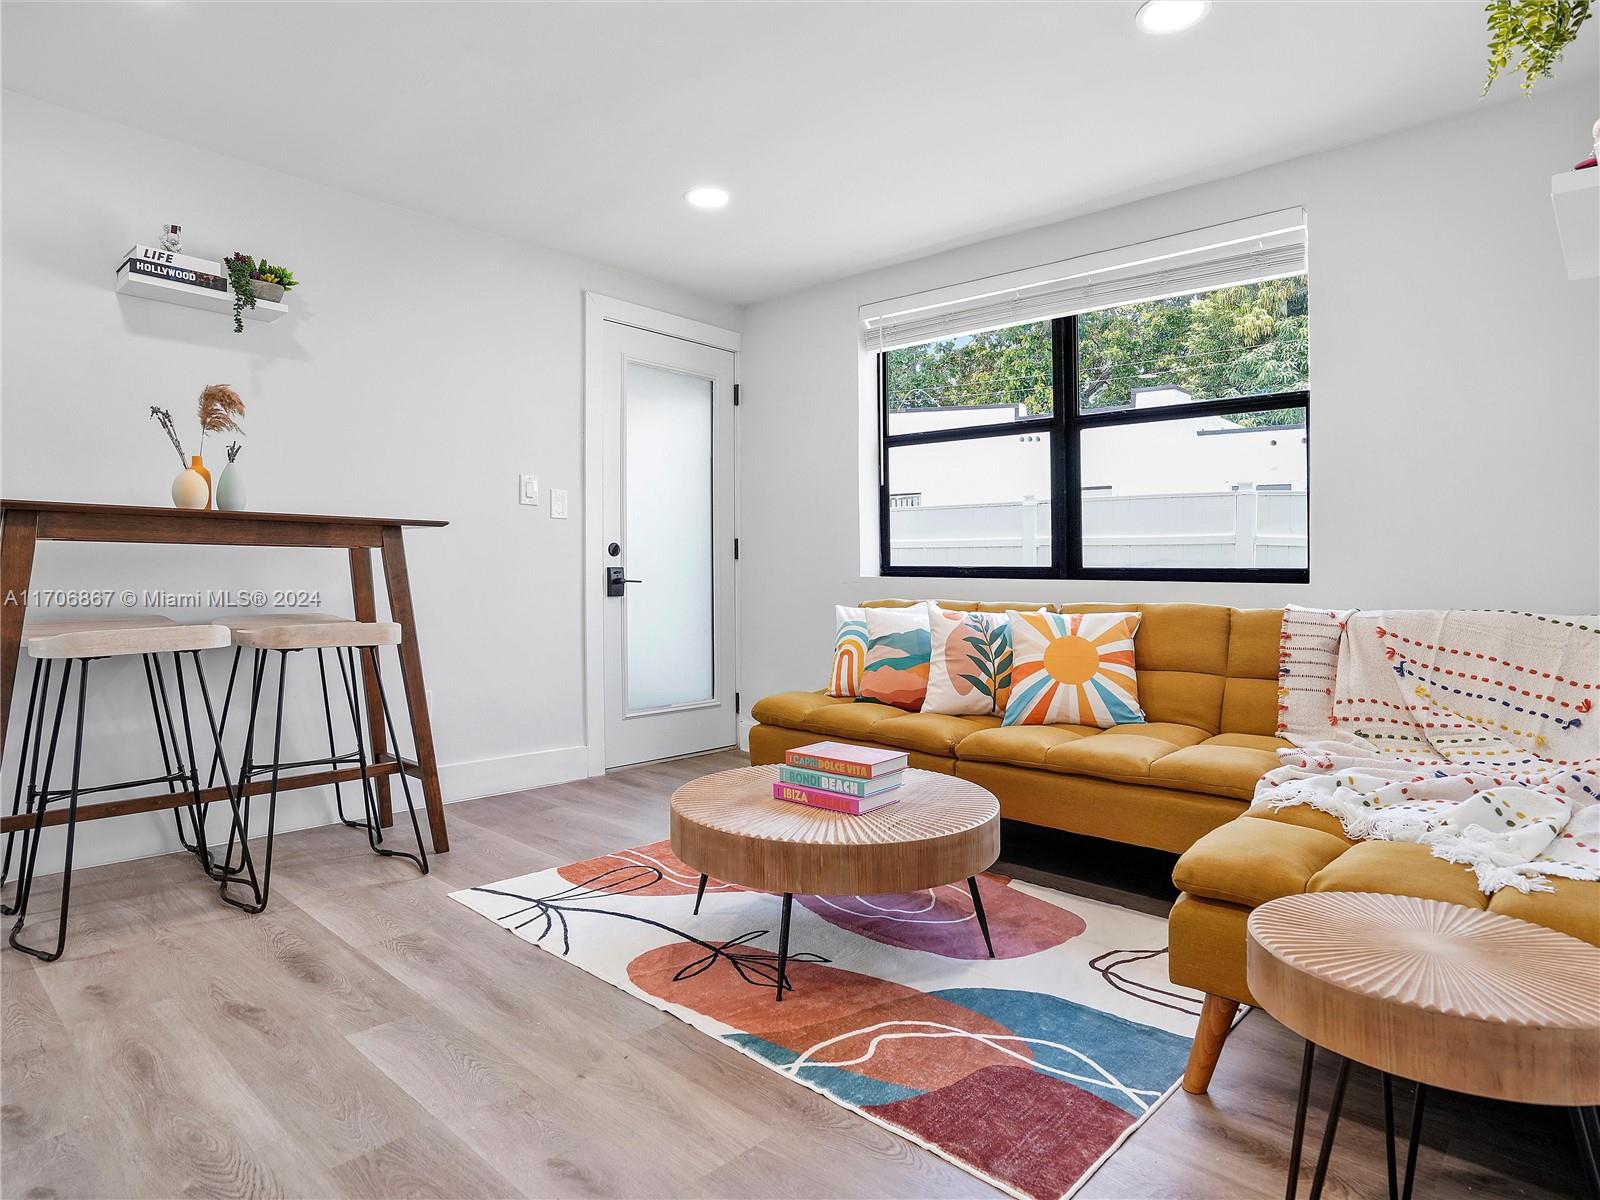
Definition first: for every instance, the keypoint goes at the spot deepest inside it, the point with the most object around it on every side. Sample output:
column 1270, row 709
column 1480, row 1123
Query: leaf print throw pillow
column 898, row 646
column 969, row 671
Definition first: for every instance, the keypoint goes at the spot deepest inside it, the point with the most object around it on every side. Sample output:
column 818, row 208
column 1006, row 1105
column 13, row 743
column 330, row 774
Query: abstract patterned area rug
column 1027, row 1070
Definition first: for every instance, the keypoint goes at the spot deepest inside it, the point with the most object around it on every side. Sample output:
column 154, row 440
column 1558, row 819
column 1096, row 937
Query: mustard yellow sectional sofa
column 1208, row 682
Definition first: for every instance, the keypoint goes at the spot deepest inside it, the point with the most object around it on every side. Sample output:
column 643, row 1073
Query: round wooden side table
column 1448, row 996
column 939, row 830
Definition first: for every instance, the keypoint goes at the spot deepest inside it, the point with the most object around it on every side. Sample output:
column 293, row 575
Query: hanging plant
column 1536, row 30
column 240, row 268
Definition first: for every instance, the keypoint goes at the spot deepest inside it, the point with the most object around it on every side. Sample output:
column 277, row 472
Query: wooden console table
column 26, row 522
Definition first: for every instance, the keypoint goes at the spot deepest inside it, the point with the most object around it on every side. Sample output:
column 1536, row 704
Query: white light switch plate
column 529, row 493
column 558, row 503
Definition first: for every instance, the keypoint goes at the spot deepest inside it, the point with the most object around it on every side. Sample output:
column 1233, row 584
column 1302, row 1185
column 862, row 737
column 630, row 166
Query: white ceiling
column 851, row 135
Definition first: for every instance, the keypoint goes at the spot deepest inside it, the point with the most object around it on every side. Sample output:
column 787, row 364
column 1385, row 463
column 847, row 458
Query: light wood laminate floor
column 367, row 1036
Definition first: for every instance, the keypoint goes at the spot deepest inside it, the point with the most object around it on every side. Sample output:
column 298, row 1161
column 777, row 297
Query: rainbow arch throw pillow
column 1073, row 669
column 849, row 651
column 898, row 649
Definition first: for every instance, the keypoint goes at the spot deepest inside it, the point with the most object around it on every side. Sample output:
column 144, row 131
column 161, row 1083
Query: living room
column 801, row 516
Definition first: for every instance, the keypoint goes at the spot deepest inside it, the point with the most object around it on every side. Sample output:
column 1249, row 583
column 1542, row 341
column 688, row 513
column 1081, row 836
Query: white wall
column 423, row 366
column 1454, row 373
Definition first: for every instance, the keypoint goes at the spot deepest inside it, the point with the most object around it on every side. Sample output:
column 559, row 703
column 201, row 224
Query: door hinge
column 736, row 549
column 736, row 395
column 736, row 709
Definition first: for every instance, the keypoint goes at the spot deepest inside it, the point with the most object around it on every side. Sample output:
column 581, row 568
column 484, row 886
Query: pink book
column 833, row 801
column 858, row 762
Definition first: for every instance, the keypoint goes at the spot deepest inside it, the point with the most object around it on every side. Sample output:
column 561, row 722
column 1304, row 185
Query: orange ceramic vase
column 198, row 466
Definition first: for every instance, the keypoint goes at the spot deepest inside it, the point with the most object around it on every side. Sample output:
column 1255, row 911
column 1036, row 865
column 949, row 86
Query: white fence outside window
column 1243, row 527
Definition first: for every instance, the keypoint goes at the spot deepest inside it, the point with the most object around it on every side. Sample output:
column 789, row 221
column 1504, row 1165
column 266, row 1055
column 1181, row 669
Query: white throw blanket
column 1474, row 733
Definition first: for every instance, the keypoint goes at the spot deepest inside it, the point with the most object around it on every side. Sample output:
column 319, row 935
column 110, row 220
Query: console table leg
column 1335, row 1106
column 783, row 944
column 1301, row 1103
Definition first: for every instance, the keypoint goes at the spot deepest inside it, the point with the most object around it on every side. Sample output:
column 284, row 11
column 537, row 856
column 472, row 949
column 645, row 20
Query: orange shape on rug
column 922, row 1041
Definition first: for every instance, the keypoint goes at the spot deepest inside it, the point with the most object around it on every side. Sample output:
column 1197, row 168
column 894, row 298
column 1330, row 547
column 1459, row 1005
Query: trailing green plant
column 281, row 276
column 1537, row 30
column 240, row 268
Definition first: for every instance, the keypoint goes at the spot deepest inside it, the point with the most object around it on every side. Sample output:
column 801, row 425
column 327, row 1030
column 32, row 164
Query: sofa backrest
column 1205, row 665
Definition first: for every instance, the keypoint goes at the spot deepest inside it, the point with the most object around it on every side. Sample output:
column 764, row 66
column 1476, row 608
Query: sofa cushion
column 1399, row 869
column 1021, row 745
column 1226, row 765
column 1302, row 814
column 932, row 733
column 1573, row 907
column 790, row 709
column 1250, row 693
column 1251, row 861
column 854, row 719
column 1123, row 752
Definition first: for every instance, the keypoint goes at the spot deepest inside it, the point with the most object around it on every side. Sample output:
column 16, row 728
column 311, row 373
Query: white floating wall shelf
column 1576, row 197
column 183, row 279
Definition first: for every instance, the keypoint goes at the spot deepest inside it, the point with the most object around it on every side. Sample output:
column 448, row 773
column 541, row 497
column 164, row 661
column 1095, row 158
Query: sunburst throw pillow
column 849, row 651
column 1073, row 669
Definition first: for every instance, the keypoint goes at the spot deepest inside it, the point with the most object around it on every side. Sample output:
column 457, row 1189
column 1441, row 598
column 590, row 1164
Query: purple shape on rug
column 941, row 921
column 1033, row 1132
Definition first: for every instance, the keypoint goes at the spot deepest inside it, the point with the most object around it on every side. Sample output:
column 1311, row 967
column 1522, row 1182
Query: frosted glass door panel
column 668, row 623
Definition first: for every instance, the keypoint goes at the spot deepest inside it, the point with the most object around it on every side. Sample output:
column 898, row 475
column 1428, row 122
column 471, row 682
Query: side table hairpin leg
column 1398, row 1190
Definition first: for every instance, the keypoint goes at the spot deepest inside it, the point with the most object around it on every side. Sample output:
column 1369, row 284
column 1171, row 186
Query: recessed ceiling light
column 707, row 197
column 1170, row 16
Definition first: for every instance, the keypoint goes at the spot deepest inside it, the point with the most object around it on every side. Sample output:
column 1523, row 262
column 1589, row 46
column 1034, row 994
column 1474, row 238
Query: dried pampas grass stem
column 219, row 405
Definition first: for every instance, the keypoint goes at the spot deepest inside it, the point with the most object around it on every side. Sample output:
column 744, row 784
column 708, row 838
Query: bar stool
column 265, row 636
column 75, row 647
column 46, row 627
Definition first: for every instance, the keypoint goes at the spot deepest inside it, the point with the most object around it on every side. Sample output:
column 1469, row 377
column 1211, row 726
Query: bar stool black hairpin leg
column 333, row 746
column 25, row 781
column 198, row 811
column 25, row 884
column 374, row 827
column 260, row 889
column 227, row 867
column 173, row 764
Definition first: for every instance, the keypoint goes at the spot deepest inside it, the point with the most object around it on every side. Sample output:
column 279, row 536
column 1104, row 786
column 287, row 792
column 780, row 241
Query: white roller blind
column 1270, row 246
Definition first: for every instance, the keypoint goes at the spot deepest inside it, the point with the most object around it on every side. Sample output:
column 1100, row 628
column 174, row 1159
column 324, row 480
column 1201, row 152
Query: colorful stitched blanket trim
column 1474, row 733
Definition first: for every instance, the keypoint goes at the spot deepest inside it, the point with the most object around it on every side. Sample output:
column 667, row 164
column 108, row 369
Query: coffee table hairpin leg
column 788, row 905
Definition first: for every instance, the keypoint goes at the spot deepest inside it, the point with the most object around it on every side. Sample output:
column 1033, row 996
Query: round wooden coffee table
column 940, row 830
column 1449, row 996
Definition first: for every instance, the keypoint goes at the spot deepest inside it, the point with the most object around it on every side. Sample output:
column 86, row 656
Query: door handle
column 616, row 584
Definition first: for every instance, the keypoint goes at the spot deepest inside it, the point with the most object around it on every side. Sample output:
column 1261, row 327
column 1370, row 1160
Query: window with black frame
column 1160, row 439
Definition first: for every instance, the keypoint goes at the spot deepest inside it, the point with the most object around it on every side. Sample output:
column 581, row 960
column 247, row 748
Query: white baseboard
column 746, row 724
column 512, row 773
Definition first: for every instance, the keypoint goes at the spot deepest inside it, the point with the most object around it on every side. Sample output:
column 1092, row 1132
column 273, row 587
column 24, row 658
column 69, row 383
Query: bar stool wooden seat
column 264, row 636
column 74, row 646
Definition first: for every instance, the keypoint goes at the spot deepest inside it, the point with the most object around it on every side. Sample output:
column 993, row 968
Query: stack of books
column 847, row 779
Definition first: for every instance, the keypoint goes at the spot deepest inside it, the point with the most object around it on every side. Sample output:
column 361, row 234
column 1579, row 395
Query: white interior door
column 668, row 510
